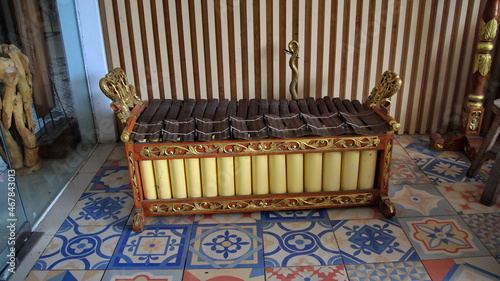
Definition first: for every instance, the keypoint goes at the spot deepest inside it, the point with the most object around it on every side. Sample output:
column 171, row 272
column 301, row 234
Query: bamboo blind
column 234, row 49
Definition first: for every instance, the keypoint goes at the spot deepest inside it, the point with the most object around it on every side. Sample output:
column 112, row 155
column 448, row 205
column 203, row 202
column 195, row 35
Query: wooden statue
column 16, row 107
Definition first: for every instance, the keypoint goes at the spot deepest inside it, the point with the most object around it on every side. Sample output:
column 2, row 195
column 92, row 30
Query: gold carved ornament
column 259, row 147
column 487, row 33
column 482, row 63
column 381, row 95
column 387, row 164
column 471, row 120
column 256, row 204
column 138, row 217
column 475, row 100
column 386, row 206
column 135, row 186
column 475, row 120
column 293, row 49
column 123, row 95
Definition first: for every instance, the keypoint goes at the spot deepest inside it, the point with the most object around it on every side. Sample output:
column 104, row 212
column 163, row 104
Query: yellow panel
column 209, row 176
column 193, row 177
column 332, row 163
column 367, row 167
column 260, row 174
column 243, row 175
column 225, row 176
column 295, row 172
column 350, row 168
column 148, row 179
column 313, row 166
column 178, row 178
column 162, row 177
column 277, row 174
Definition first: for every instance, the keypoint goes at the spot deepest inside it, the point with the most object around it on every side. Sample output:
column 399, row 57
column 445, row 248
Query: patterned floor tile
column 164, row 220
column 354, row 213
column 225, row 246
column 81, row 247
column 225, row 274
column 470, row 269
column 117, row 158
column 419, row 200
column 101, row 209
column 464, row 197
column 442, row 237
column 228, row 218
column 405, row 140
column 407, row 173
column 418, row 148
column 112, row 179
column 485, row 170
column 331, row 272
column 143, row 275
column 300, row 243
column 295, row 215
column 65, row 275
column 156, row 247
column 487, row 229
column 374, row 240
column 236, row 246
column 444, row 170
column 408, row 270
column 399, row 154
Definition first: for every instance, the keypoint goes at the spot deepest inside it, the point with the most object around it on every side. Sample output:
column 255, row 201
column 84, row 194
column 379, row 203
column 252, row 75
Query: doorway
column 62, row 114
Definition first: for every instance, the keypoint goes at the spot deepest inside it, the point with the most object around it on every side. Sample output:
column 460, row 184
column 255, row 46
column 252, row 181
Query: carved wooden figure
column 17, row 123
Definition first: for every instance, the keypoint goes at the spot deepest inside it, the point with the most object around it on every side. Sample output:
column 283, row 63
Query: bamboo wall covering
column 234, row 49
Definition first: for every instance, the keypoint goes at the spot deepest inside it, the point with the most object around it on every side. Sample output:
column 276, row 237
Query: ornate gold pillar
column 467, row 137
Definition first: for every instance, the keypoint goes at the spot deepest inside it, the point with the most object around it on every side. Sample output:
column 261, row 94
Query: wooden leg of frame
column 492, row 187
column 138, row 223
column 386, row 207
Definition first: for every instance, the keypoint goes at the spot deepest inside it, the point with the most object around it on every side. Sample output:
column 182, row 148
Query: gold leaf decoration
column 387, row 164
column 487, row 31
column 124, row 96
column 481, row 29
column 484, row 64
column 474, row 121
column 135, row 186
column 475, row 65
column 226, row 204
column 389, row 85
column 259, row 147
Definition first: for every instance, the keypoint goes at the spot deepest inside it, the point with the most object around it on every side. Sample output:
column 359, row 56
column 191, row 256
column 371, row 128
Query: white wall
column 83, row 16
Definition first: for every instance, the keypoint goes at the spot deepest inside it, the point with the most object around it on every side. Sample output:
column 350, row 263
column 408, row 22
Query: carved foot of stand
column 455, row 141
column 472, row 145
column 138, row 224
column 386, row 207
column 451, row 141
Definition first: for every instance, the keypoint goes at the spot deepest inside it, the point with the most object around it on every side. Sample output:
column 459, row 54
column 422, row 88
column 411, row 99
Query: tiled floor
column 440, row 232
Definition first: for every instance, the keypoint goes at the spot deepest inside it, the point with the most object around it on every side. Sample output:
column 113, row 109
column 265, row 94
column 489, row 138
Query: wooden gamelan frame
column 137, row 152
column 128, row 108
